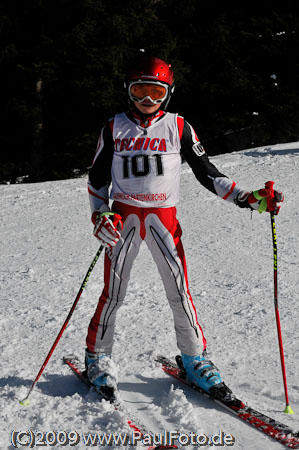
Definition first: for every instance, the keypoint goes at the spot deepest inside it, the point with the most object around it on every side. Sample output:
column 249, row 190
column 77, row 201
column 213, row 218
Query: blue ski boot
column 201, row 372
column 102, row 373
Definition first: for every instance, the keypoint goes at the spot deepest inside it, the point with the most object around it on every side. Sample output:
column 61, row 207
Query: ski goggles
column 141, row 90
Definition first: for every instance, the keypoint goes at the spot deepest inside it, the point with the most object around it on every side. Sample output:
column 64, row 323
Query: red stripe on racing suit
column 161, row 231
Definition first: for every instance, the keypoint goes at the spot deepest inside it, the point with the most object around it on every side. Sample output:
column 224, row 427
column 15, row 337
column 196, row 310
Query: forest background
column 63, row 64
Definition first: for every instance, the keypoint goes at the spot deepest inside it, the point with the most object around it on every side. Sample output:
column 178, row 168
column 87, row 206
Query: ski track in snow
column 46, row 249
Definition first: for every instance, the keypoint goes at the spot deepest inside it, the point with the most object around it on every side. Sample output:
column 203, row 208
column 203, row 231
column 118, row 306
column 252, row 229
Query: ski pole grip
column 116, row 218
column 117, row 221
column 269, row 185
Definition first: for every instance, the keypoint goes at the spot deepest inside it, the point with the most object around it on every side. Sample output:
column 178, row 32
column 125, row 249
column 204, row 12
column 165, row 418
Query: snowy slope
column 46, row 249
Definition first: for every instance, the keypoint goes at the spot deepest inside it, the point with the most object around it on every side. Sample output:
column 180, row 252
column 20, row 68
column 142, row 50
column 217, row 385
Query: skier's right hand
column 107, row 228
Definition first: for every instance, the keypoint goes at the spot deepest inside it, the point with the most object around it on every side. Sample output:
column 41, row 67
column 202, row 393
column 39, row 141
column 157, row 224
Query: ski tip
column 25, row 402
column 288, row 410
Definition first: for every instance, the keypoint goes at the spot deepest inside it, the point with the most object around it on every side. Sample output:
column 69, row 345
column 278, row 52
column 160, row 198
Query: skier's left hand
column 266, row 199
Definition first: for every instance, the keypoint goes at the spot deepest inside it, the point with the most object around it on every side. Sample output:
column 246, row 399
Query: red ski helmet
column 151, row 69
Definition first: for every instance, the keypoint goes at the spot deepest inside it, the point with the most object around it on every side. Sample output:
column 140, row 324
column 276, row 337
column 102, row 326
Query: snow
column 46, row 249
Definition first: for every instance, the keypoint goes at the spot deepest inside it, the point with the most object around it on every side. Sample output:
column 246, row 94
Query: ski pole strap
column 257, row 195
column 266, row 202
column 107, row 213
column 263, row 201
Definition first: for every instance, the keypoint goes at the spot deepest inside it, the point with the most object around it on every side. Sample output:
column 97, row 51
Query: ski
column 139, row 430
column 224, row 397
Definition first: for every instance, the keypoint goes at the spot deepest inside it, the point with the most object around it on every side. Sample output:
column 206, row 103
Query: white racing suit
column 141, row 162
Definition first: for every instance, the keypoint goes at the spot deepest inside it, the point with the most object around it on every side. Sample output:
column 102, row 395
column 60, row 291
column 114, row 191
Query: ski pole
column 116, row 222
column 288, row 409
column 26, row 401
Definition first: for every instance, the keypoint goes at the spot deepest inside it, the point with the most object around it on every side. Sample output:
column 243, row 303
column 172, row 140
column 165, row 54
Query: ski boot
column 201, row 372
column 102, row 373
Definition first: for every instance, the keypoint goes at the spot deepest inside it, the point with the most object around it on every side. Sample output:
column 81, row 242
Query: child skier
column 139, row 156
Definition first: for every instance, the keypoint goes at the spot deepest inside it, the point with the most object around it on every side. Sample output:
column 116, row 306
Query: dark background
column 62, row 67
